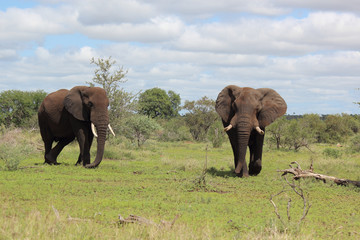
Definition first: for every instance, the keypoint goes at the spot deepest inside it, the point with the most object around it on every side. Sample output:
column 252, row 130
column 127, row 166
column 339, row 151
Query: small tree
column 174, row 129
column 277, row 131
column 122, row 103
column 339, row 127
column 200, row 117
column 139, row 128
column 314, row 126
column 110, row 81
column 156, row 103
column 295, row 136
column 216, row 134
column 175, row 103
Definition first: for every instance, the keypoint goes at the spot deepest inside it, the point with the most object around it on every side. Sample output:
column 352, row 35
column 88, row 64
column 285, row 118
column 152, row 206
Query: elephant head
column 245, row 113
column 90, row 104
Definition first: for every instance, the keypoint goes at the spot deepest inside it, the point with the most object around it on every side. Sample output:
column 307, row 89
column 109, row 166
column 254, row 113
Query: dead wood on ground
column 144, row 221
column 298, row 173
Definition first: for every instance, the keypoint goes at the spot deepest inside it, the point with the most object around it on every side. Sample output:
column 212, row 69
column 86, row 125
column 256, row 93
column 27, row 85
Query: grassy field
column 165, row 183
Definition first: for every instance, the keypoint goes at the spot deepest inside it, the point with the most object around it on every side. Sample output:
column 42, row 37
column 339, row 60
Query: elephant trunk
column 243, row 135
column 101, row 132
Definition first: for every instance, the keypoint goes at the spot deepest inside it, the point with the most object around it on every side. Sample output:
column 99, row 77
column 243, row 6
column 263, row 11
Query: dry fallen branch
column 299, row 191
column 300, row 173
column 144, row 221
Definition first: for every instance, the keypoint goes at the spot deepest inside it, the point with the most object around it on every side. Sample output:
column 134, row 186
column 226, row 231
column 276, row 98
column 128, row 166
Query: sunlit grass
column 159, row 182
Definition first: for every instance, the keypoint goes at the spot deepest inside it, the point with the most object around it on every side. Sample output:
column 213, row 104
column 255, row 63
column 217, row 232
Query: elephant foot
column 79, row 162
column 255, row 168
column 51, row 163
column 50, row 160
column 241, row 174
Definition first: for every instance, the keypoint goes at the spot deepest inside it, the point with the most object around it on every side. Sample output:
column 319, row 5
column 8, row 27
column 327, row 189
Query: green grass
column 160, row 181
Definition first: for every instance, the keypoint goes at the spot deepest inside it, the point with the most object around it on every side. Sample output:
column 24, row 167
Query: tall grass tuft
column 355, row 144
column 14, row 146
column 332, row 153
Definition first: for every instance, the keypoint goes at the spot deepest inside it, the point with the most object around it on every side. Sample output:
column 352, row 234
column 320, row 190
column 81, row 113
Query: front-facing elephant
column 66, row 114
column 245, row 112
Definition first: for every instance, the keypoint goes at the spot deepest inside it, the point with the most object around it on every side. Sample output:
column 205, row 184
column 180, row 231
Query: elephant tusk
column 228, row 128
column 261, row 132
column 111, row 130
column 93, row 129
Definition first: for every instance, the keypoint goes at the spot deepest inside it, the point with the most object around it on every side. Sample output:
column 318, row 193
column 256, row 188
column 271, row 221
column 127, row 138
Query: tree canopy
column 17, row 107
column 200, row 117
column 156, row 103
column 109, row 76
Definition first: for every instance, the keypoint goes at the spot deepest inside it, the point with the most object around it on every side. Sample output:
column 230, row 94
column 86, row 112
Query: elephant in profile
column 245, row 112
column 79, row 112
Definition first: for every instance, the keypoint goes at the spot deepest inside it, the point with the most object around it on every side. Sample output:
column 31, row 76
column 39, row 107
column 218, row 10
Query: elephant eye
column 90, row 104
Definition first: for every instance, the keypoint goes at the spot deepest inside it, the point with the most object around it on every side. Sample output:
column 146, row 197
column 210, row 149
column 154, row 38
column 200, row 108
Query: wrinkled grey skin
column 245, row 112
column 64, row 115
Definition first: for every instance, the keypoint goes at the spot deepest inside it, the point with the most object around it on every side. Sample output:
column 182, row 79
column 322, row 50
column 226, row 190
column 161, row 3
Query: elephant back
column 53, row 105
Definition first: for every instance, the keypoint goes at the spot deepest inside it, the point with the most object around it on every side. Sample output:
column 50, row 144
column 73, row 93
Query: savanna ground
column 162, row 181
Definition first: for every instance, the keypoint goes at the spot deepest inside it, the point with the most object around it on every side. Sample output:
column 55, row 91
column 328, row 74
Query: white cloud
column 19, row 28
column 322, row 5
column 7, row 54
column 289, row 36
column 194, row 48
column 158, row 29
column 94, row 12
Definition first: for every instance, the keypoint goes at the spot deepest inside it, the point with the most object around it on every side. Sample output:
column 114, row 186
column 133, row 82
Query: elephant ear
column 273, row 106
column 73, row 103
column 224, row 102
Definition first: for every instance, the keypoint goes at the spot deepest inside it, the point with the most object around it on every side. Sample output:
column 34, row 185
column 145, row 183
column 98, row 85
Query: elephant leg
column 47, row 138
column 84, row 137
column 80, row 159
column 54, row 153
column 234, row 145
column 256, row 147
column 47, row 156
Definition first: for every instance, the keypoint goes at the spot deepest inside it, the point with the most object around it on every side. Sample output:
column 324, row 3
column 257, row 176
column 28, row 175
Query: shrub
column 139, row 128
column 17, row 107
column 200, row 117
column 13, row 148
column 355, row 144
column 331, row 152
column 217, row 135
column 174, row 129
column 295, row 136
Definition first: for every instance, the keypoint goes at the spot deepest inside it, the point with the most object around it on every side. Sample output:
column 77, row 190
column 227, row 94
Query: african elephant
column 245, row 112
column 66, row 114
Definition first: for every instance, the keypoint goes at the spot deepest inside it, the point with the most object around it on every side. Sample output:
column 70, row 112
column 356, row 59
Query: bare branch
column 288, row 209
column 299, row 191
column 299, row 173
column 144, row 221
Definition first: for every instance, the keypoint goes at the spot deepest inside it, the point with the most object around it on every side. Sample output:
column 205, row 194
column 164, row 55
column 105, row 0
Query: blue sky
column 308, row 51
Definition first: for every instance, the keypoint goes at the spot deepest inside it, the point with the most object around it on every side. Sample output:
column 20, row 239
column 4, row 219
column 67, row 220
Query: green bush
column 174, row 129
column 331, row 152
column 139, row 128
column 17, row 107
column 355, row 144
column 217, row 135
column 14, row 146
column 10, row 157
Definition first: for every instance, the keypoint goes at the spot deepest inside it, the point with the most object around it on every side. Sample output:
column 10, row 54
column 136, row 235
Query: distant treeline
column 200, row 122
column 322, row 116
column 17, row 108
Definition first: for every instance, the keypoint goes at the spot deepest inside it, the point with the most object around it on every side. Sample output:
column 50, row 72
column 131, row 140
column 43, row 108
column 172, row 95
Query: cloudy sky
column 307, row 50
